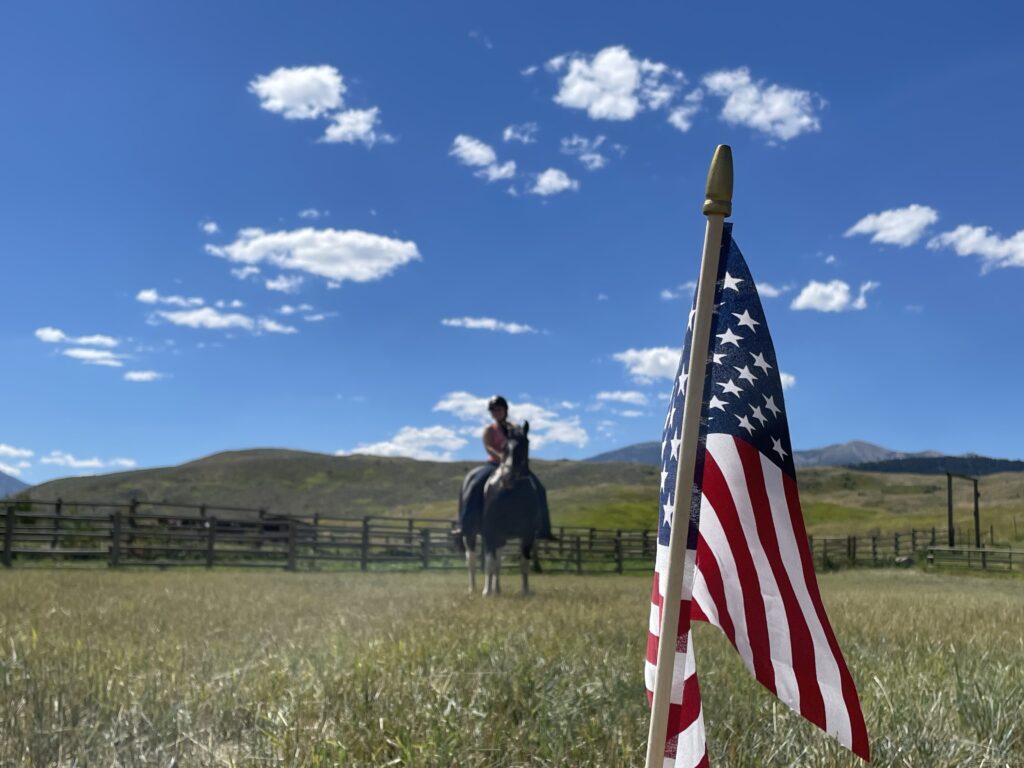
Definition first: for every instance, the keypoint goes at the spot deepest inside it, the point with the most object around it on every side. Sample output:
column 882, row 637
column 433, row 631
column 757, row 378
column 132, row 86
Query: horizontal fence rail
column 164, row 535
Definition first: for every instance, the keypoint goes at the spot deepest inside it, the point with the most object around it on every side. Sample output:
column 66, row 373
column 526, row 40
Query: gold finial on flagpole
column 719, row 190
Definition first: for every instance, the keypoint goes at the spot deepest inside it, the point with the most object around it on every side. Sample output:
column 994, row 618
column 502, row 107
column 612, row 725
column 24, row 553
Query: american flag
column 753, row 576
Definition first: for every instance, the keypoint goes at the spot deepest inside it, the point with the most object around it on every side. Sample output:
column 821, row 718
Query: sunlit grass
column 225, row 668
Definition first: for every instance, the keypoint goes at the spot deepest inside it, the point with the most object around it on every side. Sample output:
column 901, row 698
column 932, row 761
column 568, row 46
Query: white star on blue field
column 340, row 227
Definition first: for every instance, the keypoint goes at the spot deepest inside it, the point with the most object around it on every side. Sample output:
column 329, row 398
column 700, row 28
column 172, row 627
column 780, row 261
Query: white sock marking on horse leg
column 471, row 565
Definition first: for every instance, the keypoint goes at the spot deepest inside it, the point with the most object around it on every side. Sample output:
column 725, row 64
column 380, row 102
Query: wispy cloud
column 487, row 324
column 647, row 364
column 995, row 252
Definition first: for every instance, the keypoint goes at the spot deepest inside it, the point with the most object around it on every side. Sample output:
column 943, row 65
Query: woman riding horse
column 471, row 500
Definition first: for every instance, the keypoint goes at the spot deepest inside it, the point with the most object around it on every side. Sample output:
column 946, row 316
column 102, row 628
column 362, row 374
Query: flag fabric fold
column 747, row 556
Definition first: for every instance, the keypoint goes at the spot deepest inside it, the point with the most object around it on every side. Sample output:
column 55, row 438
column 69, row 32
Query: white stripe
column 683, row 668
column 654, row 623
column 661, row 566
column 691, row 747
column 702, row 597
column 723, row 449
column 837, row 717
column 718, row 545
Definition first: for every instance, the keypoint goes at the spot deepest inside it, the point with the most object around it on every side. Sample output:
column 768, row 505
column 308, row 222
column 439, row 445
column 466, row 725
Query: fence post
column 316, row 539
column 291, row 545
column 824, row 554
column 874, row 549
column 561, row 537
column 211, row 539
column 579, row 554
column 57, row 512
column 933, row 536
column 425, row 547
column 618, row 551
column 590, row 539
column 896, row 544
column 8, row 536
column 133, row 507
column 851, row 549
column 115, row 539
column 647, row 542
column 364, row 548
column 913, row 540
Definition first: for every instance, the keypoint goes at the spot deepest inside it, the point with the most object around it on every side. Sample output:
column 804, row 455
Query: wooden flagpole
column 678, row 582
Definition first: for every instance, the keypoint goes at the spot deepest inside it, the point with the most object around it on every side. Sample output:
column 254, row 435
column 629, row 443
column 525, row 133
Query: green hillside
column 835, row 500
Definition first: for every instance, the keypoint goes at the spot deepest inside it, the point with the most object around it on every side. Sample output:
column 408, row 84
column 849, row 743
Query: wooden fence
column 163, row 535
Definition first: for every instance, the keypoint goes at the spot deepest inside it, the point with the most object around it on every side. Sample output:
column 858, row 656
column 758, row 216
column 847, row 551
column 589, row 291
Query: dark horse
column 512, row 510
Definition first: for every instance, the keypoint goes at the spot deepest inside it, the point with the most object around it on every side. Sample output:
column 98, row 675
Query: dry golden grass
column 246, row 669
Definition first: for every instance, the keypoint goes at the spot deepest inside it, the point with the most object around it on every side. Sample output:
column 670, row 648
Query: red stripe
column 704, row 762
column 812, row 706
column 708, row 566
column 860, row 745
column 718, row 494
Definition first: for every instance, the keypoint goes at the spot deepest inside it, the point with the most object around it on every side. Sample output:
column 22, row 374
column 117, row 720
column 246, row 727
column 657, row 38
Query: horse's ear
column 526, row 427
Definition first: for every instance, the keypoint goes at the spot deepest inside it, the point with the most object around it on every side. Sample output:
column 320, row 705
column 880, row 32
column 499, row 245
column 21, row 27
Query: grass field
column 227, row 668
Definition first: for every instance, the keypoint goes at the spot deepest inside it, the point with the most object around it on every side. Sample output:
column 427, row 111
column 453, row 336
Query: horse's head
column 516, row 462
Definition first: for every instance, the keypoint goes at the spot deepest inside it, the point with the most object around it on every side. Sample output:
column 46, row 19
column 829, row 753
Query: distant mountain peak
column 10, row 485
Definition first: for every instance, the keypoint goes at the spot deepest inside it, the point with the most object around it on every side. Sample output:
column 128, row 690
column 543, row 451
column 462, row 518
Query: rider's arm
column 491, row 450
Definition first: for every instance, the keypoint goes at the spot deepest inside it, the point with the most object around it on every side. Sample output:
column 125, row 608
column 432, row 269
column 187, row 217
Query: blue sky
column 531, row 174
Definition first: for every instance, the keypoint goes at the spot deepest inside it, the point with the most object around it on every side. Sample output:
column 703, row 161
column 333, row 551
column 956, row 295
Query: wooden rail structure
column 165, row 535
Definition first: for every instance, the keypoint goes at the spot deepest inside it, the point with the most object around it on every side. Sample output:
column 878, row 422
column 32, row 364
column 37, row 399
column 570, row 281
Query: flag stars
column 746, row 319
column 729, row 337
column 745, row 374
column 731, row 387
column 758, row 414
column 676, row 442
column 664, row 477
column 732, row 283
column 769, row 403
column 760, row 362
column 718, row 357
column 745, row 423
column 716, row 403
column 777, row 447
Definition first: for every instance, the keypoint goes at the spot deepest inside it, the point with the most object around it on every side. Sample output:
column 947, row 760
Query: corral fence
column 164, row 535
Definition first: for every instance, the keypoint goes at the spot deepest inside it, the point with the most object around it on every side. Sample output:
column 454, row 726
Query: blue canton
column 742, row 386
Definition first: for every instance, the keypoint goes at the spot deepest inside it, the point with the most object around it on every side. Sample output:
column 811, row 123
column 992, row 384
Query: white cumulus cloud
column 354, row 125
column 995, row 252
column 208, row 317
column 546, row 425
column 336, row 255
column 272, row 326
column 612, row 84
column 9, row 469
column 150, row 296
column 57, row 336
column 898, row 226
column 681, row 117
column 142, row 376
column 470, row 151
column 646, row 365
column 10, row 452
column 788, row 380
column 771, row 291
column 833, row 296
column 91, row 356
column 586, row 150
column 209, row 227
column 435, row 443
column 552, row 181
column 487, row 324
column 300, row 93
column 782, row 113
column 285, row 283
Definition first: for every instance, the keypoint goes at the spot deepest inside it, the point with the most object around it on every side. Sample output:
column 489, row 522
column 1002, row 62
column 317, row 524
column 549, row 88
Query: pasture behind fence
column 165, row 535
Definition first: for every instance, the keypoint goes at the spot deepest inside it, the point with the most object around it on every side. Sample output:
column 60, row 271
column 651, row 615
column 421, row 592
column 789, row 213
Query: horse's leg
column 497, row 570
column 488, row 571
column 524, row 568
column 470, row 544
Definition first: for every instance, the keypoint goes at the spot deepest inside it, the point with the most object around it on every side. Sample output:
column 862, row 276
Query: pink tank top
column 494, row 438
